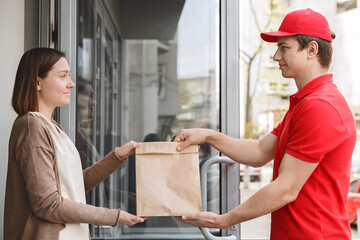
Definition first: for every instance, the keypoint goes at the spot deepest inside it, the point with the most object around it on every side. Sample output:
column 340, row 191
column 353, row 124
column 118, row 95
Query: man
column 311, row 147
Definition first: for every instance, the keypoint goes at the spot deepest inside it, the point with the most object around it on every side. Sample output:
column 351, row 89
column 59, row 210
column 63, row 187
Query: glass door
column 145, row 70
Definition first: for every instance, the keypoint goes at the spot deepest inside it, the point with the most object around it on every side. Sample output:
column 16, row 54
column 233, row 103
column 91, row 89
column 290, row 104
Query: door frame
column 230, row 104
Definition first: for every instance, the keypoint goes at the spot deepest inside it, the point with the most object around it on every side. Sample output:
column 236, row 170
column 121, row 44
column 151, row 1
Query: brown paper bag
column 167, row 181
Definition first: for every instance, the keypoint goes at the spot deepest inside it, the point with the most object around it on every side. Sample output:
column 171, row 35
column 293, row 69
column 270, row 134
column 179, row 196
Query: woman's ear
column 313, row 49
column 38, row 83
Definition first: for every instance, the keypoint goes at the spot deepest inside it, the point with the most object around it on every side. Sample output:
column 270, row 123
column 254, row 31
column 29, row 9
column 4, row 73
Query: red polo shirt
column 319, row 128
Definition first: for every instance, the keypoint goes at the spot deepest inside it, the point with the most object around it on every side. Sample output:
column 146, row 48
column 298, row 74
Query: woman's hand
column 194, row 136
column 129, row 219
column 123, row 152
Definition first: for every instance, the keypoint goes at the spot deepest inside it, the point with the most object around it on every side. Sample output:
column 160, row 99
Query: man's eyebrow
column 65, row 70
column 281, row 43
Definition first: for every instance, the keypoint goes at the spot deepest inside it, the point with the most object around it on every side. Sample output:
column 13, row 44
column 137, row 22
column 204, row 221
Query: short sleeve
column 276, row 130
column 316, row 129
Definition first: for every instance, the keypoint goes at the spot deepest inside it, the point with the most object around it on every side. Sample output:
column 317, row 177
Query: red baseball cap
column 305, row 22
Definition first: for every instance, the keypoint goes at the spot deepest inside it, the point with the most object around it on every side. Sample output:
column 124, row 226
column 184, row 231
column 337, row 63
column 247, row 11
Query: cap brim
column 273, row 36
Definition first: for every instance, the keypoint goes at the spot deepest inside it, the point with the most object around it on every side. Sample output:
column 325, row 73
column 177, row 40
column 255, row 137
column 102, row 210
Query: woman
column 45, row 189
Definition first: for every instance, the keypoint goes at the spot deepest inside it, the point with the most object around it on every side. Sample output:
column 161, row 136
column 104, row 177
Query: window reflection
column 85, row 114
column 146, row 69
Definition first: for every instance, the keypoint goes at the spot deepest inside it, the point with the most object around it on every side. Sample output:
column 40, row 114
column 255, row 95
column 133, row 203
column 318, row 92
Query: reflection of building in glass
column 129, row 50
column 151, row 83
column 149, row 68
column 197, row 104
column 196, row 100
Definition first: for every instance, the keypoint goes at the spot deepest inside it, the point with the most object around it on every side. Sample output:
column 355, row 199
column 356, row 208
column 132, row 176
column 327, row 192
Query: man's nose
column 276, row 57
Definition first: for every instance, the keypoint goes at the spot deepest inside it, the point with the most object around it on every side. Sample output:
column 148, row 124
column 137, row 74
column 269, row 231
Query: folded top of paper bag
column 164, row 148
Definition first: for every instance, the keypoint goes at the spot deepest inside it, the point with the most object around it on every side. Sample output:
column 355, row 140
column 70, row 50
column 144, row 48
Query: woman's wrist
column 118, row 218
column 118, row 156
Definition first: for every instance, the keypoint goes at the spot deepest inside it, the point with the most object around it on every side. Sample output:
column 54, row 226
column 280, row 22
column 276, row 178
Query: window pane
column 146, row 69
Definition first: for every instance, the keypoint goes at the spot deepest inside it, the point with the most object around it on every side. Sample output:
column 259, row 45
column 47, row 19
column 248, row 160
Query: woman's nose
column 71, row 84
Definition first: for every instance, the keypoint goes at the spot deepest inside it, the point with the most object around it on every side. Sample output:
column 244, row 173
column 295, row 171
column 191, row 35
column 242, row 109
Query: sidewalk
column 259, row 227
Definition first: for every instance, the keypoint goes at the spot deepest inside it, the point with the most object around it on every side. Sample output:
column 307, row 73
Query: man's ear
column 312, row 49
column 38, row 83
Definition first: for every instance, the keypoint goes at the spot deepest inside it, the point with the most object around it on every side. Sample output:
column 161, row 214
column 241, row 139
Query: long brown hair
column 36, row 62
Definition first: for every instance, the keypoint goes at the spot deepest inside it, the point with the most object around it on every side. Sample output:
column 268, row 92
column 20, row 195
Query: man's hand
column 194, row 136
column 123, row 152
column 129, row 219
column 205, row 219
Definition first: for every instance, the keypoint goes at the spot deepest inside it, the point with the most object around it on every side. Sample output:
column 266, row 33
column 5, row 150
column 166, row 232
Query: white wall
column 11, row 49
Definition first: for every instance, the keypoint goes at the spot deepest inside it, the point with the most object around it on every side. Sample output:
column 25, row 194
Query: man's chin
column 286, row 75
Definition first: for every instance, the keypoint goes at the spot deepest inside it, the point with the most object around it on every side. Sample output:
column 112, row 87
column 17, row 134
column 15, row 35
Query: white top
column 70, row 175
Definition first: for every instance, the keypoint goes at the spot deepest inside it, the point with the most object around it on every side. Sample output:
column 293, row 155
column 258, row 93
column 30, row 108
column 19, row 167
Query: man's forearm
column 266, row 200
column 244, row 151
column 293, row 174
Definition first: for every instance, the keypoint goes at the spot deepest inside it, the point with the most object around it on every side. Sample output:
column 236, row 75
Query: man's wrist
column 223, row 221
column 210, row 136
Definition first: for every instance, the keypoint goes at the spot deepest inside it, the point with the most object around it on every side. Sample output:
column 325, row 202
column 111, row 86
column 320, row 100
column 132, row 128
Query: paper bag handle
column 203, row 179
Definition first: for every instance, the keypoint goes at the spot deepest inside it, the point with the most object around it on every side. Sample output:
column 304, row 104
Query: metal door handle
column 203, row 179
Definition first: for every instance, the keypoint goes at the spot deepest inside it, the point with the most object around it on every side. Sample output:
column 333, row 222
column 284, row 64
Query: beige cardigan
column 34, row 207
